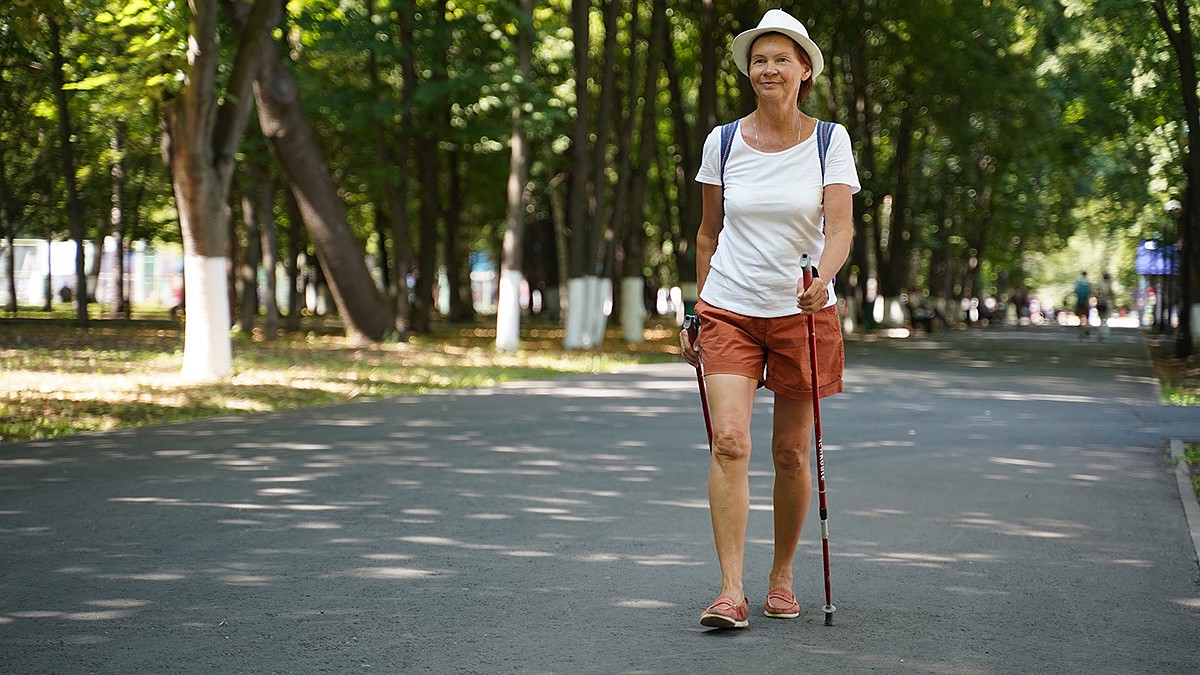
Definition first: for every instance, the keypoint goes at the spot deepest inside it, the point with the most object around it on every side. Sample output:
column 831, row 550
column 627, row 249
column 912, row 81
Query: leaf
column 93, row 82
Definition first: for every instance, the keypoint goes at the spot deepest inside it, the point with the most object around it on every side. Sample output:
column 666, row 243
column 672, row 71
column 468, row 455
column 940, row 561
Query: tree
column 633, row 284
column 281, row 116
column 508, row 314
column 67, row 154
column 1179, row 34
column 204, row 130
column 584, row 288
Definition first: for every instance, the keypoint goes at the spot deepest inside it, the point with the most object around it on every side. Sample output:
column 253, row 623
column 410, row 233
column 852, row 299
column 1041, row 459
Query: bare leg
column 731, row 402
column 790, row 444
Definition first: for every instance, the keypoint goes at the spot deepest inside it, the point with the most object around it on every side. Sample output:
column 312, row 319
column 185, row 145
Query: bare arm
column 711, row 222
column 839, row 235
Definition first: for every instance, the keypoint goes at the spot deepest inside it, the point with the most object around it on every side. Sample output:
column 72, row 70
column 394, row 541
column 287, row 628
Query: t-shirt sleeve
column 839, row 163
column 710, row 159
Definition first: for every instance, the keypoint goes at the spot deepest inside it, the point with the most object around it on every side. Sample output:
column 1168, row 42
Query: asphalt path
column 1001, row 501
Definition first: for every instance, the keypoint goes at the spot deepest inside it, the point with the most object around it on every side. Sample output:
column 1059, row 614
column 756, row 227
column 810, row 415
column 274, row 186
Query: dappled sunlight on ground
column 958, row 479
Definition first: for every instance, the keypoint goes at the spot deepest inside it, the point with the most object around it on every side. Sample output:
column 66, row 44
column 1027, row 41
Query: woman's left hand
column 814, row 299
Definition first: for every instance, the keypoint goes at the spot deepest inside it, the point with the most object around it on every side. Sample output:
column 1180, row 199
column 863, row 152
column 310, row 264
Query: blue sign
column 1155, row 259
column 481, row 262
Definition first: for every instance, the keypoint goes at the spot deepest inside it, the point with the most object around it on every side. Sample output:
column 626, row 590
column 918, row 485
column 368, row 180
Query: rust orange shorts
column 773, row 351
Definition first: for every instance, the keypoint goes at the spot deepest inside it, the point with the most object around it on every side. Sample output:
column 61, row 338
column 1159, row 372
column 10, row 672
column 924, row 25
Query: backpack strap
column 824, row 135
column 728, row 131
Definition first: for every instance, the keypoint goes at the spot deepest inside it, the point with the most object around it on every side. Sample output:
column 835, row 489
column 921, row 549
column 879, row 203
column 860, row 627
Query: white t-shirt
column 773, row 214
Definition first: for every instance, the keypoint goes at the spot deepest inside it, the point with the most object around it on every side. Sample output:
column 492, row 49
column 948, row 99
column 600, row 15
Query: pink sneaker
column 723, row 613
column 781, row 604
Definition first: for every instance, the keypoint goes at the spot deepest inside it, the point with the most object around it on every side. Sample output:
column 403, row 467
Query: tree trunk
column 633, row 313
column 117, row 221
column 270, row 255
column 428, row 160
column 364, row 314
column 691, row 145
column 48, row 306
column 203, row 133
column 458, row 262
column 8, row 227
column 74, row 208
column 600, row 182
column 402, row 228
column 295, row 251
column 858, row 127
column 1189, row 225
column 618, row 218
column 894, row 272
column 508, row 310
column 429, row 214
column 395, row 194
column 583, row 282
column 10, row 271
column 379, row 221
column 254, row 178
column 234, row 255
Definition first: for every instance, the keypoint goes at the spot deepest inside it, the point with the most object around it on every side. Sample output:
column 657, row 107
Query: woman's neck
column 777, row 127
column 779, row 117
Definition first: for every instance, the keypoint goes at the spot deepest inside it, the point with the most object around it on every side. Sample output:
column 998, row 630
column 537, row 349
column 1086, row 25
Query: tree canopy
column 989, row 135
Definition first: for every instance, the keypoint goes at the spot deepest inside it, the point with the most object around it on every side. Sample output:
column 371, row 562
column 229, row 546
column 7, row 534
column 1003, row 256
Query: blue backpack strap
column 728, row 131
column 824, row 135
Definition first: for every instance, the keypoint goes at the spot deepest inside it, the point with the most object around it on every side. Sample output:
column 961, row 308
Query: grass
column 1191, row 455
column 1180, row 381
column 1178, row 377
column 56, row 379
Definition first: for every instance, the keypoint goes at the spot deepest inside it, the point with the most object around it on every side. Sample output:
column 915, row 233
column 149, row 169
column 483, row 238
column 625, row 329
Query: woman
column 762, row 210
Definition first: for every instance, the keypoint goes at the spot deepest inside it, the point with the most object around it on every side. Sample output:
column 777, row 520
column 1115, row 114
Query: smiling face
column 779, row 68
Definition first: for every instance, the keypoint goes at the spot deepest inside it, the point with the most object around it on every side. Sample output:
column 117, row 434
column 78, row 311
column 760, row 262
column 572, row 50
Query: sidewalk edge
column 1191, row 508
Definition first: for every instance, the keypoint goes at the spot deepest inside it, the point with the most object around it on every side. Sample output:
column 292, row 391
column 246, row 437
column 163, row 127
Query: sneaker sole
column 781, row 615
column 722, row 621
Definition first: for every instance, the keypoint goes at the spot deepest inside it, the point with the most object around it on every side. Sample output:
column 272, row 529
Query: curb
column 1191, row 508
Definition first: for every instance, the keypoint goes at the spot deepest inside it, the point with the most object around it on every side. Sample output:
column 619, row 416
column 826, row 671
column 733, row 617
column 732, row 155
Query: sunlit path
column 1000, row 502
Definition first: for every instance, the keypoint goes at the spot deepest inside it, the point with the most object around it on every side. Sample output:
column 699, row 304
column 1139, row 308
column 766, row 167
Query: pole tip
column 829, row 610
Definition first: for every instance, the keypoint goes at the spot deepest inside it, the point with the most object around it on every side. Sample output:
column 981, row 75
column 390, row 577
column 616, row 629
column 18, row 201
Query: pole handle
column 806, row 270
column 691, row 324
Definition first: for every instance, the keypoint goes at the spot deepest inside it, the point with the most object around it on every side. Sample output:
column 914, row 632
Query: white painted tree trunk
column 508, row 311
column 207, row 349
column 633, row 309
column 599, row 307
column 586, row 320
column 576, row 311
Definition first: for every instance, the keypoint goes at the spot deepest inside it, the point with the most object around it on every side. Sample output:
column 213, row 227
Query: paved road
column 1000, row 503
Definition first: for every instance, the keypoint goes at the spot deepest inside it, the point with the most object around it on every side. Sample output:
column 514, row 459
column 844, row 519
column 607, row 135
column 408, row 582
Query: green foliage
column 1179, row 397
column 1191, row 455
column 1023, row 135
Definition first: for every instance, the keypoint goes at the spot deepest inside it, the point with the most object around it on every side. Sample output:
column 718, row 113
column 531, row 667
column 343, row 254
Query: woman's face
column 777, row 67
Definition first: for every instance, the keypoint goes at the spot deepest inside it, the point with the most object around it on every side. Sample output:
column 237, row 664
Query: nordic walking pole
column 691, row 324
column 806, row 266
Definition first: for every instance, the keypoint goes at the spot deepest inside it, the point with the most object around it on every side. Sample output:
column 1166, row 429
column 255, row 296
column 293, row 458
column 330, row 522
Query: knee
column 791, row 460
column 731, row 447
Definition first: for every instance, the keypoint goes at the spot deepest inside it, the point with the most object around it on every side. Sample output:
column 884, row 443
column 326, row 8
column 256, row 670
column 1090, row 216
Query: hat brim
column 741, row 48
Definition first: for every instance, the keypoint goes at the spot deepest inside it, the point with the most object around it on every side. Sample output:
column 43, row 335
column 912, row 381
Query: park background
column 398, row 163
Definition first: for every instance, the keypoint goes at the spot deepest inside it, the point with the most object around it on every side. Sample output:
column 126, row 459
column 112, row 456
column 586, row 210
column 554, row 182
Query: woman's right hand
column 689, row 351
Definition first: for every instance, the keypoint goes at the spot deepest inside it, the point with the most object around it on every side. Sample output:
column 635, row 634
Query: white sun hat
column 777, row 21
